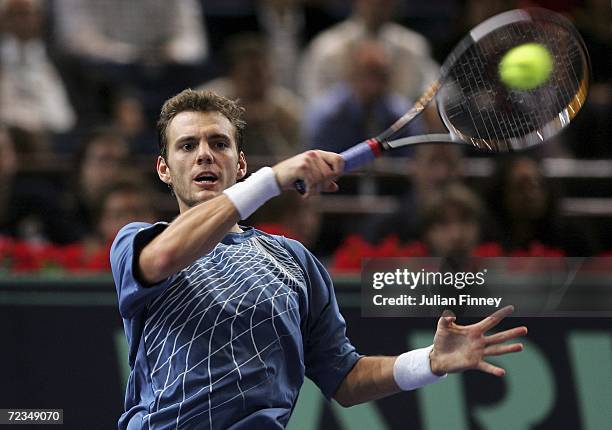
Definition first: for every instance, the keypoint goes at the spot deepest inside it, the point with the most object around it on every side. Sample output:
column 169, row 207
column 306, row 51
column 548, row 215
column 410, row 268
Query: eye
column 221, row 144
column 187, row 146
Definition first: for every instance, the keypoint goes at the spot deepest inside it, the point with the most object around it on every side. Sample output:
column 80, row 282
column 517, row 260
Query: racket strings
column 480, row 109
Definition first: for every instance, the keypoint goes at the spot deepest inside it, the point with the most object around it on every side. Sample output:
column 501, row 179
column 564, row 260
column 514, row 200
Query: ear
column 163, row 170
column 242, row 166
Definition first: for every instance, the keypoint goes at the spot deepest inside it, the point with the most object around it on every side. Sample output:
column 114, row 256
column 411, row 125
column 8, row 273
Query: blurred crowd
column 82, row 81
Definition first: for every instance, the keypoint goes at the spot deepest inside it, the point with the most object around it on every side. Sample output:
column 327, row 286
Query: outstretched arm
column 456, row 348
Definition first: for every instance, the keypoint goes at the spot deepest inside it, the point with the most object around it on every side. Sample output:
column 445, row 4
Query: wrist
column 435, row 363
column 412, row 369
column 249, row 195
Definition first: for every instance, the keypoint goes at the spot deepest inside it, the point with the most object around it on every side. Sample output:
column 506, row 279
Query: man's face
column 455, row 235
column 526, row 196
column 102, row 163
column 202, row 157
column 436, row 166
column 121, row 208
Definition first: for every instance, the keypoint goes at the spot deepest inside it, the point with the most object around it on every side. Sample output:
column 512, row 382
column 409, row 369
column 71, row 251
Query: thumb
column 447, row 318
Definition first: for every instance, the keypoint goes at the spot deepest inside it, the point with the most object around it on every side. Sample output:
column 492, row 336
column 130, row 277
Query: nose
column 205, row 155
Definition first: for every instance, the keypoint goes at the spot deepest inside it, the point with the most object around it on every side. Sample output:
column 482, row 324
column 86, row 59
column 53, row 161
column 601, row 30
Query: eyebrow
column 212, row 135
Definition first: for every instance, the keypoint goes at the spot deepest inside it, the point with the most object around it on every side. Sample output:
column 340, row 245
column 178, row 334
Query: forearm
column 193, row 234
column 377, row 377
column 370, row 379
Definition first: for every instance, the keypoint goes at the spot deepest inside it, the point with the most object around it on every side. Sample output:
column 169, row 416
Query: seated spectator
column 32, row 94
column 452, row 221
column 292, row 216
column 155, row 46
column 412, row 68
column 450, row 227
column 434, row 168
column 593, row 125
column 30, row 203
column 272, row 112
column 351, row 112
column 129, row 119
column 8, row 169
column 120, row 203
column 282, row 22
column 527, row 212
column 102, row 161
column 137, row 31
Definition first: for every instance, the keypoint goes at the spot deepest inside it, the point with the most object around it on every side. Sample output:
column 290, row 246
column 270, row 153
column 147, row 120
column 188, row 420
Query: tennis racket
column 477, row 108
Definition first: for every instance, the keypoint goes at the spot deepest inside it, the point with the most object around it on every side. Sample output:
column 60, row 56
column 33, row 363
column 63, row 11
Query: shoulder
column 397, row 103
column 334, row 38
column 132, row 229
column 135, row 231
column 330, row 102
column 407, row 39
column 286, row 100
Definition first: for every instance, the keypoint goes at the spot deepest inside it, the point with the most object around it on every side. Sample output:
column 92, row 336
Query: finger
column 506, row 335
column 489, row 368
column 331, row 187
column 494, row 319
column 313, row 190
column 446, row 319
column 503, row 349
column 334, row 161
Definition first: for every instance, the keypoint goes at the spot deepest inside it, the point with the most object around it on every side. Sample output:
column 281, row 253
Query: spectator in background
column 291, row 216
column 129, row 119
column 364, row 106
column 30, row 201
column 282, row 22
column 154, row 46
column 591, row 133
column 102, row 161
column 272, row 112
column 8, row 169
column 120, row 203
column 32, row 94
column 434, row 168
column 528, row 215
column 133, row 32
column 450, row 227
column 412, row 68
column 451, row 222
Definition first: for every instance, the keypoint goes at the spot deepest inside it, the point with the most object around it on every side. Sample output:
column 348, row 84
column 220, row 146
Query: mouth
column 206, row 179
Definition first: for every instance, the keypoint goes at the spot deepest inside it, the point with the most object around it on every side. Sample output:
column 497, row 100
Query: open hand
column 457, row 347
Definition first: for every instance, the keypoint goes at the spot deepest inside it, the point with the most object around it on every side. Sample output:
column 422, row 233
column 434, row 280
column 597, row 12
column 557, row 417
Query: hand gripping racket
column 477, row 108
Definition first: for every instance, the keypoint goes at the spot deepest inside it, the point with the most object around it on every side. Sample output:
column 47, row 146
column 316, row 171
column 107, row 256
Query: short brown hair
column 454, row 195
column 199, row 101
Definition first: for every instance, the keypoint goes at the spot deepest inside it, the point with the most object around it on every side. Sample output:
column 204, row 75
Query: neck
column 235, row 229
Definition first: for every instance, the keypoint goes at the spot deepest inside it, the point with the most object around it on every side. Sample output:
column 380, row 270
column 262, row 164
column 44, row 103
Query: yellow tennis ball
column 526, row 66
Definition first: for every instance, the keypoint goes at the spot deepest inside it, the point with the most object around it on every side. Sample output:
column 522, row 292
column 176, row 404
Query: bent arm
column 192, row 234
column 198, row 230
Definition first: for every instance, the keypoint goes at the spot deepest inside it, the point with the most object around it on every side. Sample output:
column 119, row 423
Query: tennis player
column 224, row 321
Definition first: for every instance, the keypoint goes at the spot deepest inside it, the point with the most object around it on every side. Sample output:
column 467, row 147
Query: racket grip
column 360, row 154
column 354, row 157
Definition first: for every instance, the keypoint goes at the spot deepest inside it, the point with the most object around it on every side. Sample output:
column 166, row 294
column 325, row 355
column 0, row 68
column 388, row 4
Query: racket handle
column 360, row 154
column 354, row 157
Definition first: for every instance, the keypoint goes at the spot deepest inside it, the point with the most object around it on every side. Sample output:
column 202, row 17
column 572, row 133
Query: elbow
column 345, row 402
column 155, row 265
column 343, row 398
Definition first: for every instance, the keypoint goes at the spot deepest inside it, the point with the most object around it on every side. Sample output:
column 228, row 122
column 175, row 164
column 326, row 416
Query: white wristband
column 412, row 369
column 257, row 189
